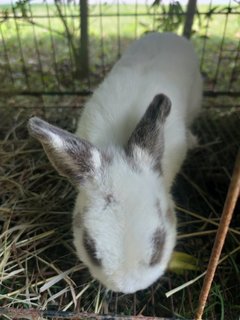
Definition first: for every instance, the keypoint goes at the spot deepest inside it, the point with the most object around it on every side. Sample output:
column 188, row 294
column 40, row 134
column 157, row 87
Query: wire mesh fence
column 45, row 48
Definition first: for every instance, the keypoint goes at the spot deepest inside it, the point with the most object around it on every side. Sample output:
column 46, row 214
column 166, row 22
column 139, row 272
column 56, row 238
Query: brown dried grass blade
column 230, row 203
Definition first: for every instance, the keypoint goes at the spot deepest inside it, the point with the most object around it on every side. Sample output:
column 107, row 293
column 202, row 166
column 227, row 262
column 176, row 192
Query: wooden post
column 83, row 63
column 191, row 10
column 230, row 203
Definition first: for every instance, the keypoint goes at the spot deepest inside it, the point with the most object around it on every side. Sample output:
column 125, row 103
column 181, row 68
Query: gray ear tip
column 35, row 126
column 164, row 103
column 161, row 96
column 34, row 122
column 30, row 123
column 163, row 99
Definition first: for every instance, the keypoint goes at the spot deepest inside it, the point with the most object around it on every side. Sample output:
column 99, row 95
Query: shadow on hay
column 35, row 218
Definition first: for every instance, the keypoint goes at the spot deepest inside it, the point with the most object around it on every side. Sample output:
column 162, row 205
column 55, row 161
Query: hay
column 38, row 266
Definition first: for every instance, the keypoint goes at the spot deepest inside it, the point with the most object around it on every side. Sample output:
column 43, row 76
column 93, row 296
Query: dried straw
column 38, row 266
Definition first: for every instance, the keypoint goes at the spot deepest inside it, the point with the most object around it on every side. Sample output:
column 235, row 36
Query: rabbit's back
column 157, row 63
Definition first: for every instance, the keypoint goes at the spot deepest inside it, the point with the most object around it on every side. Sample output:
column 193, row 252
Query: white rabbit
column 130, row 143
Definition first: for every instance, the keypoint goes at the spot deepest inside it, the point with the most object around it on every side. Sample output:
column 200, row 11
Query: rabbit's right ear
column 149, row 133
column 72, row 157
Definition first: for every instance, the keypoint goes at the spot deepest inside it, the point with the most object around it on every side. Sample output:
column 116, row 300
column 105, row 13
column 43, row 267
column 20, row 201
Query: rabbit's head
column 124, row 223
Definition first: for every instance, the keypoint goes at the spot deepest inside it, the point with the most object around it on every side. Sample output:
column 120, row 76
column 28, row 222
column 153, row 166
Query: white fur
column 124, row 223
column 122, row 230
column 96, row 158
column 157, row 63
column 56, row 141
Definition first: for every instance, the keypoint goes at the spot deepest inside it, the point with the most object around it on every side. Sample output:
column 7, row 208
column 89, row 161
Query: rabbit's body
column 157, row 63
column 124, row 223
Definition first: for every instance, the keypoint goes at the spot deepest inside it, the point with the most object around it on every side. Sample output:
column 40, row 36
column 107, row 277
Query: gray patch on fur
column 149, row 133
column 158, row 241
column 170, row 216
column 159, row 209
column 108, row 200
column 90, row 247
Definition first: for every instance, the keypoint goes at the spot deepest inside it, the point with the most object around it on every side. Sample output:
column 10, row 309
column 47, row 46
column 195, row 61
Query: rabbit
column 130, row 143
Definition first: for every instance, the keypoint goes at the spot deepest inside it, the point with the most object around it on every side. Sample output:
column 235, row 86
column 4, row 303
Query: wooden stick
column 230, row 203
column 35, row 314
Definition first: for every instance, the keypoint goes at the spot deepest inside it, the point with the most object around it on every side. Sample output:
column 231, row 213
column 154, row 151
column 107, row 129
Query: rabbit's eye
column 90, row 247
column 158, row 241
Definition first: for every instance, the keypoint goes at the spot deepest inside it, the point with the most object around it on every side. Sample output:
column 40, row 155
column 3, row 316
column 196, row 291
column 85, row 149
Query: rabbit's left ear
column 149, row 133
column 75, row 158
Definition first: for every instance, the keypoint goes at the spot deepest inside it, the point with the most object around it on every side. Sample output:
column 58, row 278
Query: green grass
column 109, row 36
